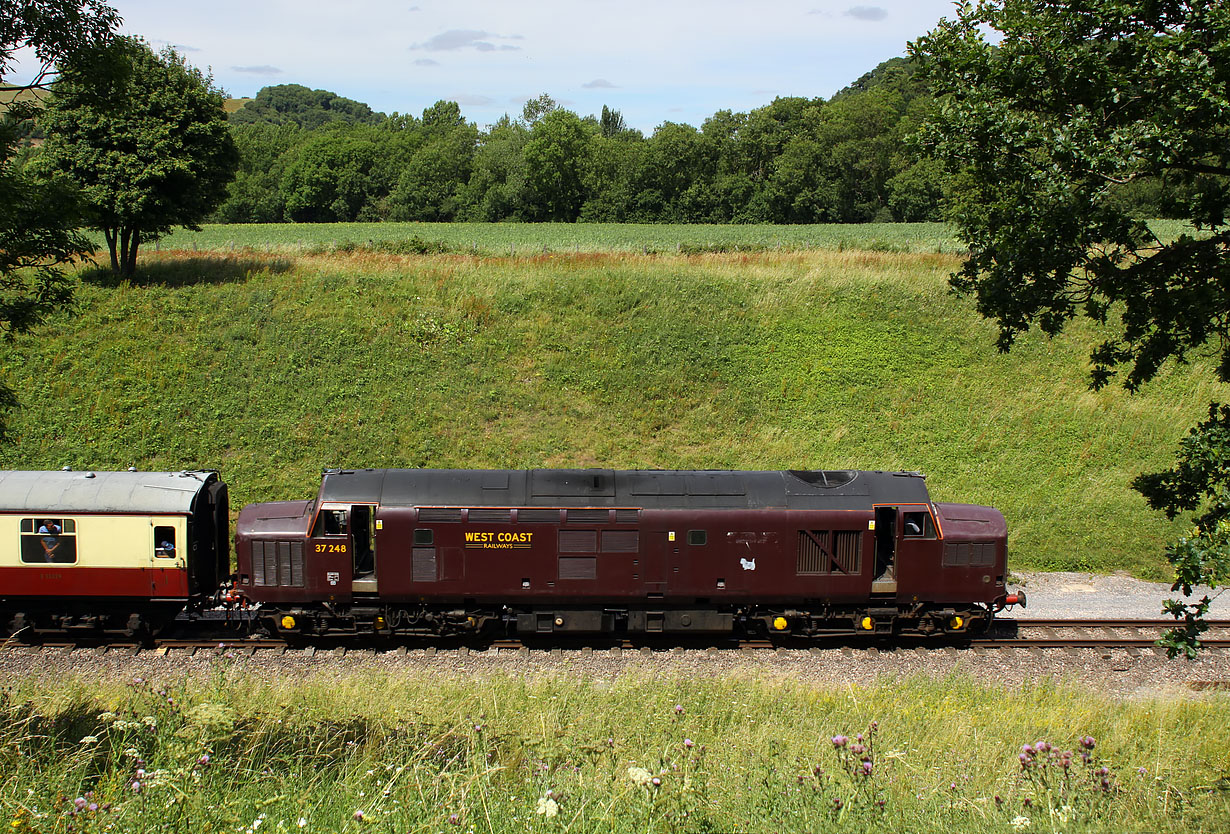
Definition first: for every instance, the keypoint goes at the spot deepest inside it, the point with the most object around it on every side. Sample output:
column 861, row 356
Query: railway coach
column 598, row 551
column 109, row 552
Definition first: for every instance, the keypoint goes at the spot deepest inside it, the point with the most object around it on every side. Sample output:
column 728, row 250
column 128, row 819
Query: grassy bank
column 272, row 367
column 231, row 752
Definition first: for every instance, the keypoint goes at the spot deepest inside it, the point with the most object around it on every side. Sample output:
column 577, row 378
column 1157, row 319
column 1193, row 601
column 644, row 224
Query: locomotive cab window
column 697, row 537
column 917, row 525
column 164, row 542
column 45, row 540
column 331, row 523
column 424, row 537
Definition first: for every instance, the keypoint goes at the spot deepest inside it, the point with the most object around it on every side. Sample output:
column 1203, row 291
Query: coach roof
column 102, row 492
column 646, row 488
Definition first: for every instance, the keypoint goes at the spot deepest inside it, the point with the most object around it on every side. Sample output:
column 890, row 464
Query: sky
column 653, row 60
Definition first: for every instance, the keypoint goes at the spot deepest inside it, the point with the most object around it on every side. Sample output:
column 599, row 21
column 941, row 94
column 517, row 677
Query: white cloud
column 599, row 84
column 466, row 39
column 264, row 69
column 872, row 13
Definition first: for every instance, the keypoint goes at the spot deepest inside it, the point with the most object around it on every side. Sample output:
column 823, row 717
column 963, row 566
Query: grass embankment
column 272, row 367
column 375, row 752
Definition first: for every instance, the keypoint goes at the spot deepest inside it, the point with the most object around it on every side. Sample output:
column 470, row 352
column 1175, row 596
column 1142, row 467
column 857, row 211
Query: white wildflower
column 150, row 721
column 1064, row 814
column 89, row 740
column 1020, row 823
column 302, row 822
column 640, row 776
column 107, row 717
column 547, row 806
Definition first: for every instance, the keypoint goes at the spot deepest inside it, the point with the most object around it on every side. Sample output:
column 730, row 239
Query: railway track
column 1134, row 636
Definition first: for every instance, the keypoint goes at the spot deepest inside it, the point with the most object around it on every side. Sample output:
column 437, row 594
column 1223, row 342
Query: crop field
column 270, row 366
column 512, row 239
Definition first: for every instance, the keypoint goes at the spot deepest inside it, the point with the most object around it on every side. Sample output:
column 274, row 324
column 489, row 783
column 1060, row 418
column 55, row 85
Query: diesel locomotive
column 600, row 551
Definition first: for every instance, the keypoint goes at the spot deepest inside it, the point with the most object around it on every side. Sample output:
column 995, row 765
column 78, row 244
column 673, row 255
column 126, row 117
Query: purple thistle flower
column 1088, row 743
column 866, row 768
column 1140, row 771
column 687, row 742
column 80, row 803
column 359, row 815
column 839, row 741
column 204, row 760
column 93, row 806
column 678, row 709
column 837, row 803
column 656, row 782
column 1024, row 761
column 1027, row 750
column 454, row 819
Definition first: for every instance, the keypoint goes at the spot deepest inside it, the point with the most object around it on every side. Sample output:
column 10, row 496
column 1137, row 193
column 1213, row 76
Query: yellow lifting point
column 957, row 623
column 288, row 622
column 868, row 624
column 780, row 624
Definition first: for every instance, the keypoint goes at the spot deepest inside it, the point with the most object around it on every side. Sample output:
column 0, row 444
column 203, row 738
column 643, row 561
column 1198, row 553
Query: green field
column 537, row 238
column 270, row 366
column 368, row 750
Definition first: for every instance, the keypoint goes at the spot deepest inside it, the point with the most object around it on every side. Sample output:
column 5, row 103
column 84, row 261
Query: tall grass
column 381, row 752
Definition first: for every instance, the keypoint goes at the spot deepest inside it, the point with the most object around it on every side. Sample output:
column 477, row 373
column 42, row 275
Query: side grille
column 578, row 541
column 490, row 515
column 587, row 516
column 819, row 555
column 438, row 514
column 969, row 554
column 578, row 567
column 423, row 564
column 538, row 515
column 277, row 563
column 627, row 516
column 621, row 541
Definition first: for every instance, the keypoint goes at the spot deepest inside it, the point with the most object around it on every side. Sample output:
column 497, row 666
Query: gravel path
column 1077, row 595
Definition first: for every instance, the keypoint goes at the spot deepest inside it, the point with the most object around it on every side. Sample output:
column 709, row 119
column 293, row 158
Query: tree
column 310, row 109
column 1038, row 133
column 143, row 138
column 555, row 165
column 38, row 221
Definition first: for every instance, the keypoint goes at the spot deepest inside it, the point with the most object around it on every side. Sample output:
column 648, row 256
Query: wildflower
column 656, row 782
column 1064, row 814
column 547, row 806
column 302, row 823
column 107, row 717
column 858, row 749
column 687, row 742
column 80, row 803
column 866, row 768
column 359, row 816
column 203, row 760
column 1027, row 750
column 839, row 741
column 89, row 740
column 1088, row 743
column 640, row 776
column 454, row 819
column 1140, row 771
column 678, row 709
column 1020, row 823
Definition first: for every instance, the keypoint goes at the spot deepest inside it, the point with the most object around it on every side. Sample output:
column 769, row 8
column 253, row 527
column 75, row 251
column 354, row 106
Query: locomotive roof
column 844, row 489
column 119, row 492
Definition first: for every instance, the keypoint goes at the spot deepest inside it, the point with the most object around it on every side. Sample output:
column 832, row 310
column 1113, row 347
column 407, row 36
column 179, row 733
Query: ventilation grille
column 578, row 567
column 538, row 515
column 578, row 541
column 969, row 554
column 823, row 553
column 588, row 516
column 423, row 564
column 428, row 514
column 490, row 515
column 627, row 516
column 277, row 563
column 621, row 541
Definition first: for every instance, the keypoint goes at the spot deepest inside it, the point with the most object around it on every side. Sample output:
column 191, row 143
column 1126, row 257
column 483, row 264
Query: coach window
column 46, row 540
column 917, row 525
column 164, row 542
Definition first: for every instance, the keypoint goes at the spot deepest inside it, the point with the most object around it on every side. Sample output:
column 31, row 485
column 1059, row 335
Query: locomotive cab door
column 884, row 577
column 363, row 547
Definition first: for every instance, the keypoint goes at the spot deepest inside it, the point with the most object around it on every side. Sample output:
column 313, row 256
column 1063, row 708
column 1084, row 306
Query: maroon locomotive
column 598, row 551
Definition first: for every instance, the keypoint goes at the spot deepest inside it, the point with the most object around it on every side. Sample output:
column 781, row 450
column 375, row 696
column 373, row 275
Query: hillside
column 270, row 367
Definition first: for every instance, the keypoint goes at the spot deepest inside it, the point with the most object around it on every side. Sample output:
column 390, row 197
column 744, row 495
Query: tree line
column 312, row 156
